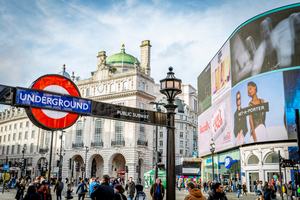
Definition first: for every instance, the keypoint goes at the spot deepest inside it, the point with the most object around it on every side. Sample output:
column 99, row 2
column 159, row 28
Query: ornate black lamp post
column 212, row 150
column 170, row 86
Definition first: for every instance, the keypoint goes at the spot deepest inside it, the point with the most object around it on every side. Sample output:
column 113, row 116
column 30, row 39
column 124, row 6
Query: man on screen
column 240, row 123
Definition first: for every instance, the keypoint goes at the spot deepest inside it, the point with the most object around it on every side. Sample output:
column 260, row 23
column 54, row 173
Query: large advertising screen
column 292, row 99
column 220, row 72
column 258, row 110
column 215, row 125
column 268, row 42
column 204, row 89
column 255, row 83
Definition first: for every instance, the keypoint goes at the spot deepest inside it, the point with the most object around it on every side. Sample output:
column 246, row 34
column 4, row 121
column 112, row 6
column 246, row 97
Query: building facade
column 97, row 146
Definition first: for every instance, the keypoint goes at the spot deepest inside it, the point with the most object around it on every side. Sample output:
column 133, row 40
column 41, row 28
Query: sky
column 38, row 37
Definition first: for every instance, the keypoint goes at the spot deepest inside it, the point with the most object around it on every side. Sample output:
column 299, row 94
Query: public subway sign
column 53, row 103
column 44, row 100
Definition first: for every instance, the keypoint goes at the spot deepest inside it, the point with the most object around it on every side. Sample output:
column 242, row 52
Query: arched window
column 253, row 160
column 272, row 158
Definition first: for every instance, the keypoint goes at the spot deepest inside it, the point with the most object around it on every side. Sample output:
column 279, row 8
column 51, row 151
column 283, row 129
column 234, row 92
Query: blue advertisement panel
column 44, row 100
column 258, row 110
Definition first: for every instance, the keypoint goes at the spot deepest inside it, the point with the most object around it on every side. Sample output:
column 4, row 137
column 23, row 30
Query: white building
column 107, row 146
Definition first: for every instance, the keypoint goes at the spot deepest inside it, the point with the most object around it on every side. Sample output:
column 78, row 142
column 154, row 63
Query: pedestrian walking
column 217, row 192
column 20, row 189
column 157, row 190
column 32, row 193
column 81, row 190
column 140, row 194
column 104, row 191
column 44, row 191
column 58, row 188
column 119, row 190
column 69, row 191
column 194, row 193
column 130, row 188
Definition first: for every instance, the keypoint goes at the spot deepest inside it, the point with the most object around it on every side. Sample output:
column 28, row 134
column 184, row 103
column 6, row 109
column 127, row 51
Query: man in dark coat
column 157, row 190
column 103, row 191
column 217, row 193
column 130, row 188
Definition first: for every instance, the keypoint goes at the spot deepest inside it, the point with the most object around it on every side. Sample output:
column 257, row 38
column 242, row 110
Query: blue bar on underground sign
column 27, row 97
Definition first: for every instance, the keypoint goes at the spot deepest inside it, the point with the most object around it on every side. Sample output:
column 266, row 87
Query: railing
column 43, row 150
column 77, row 145
column 118, row 143
column 97, row 144
column 142, row 142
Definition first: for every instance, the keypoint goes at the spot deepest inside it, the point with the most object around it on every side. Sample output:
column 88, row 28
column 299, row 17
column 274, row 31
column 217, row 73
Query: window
column 272, row 158
column 161, row 134
column 10, row 127
column 98, row 130
column 3, row 150
column 181, row 151
column 181, row 117
column 27, row 124
column 142, row 86
column 7, row 150
column 87, row 92
column 181, row 144
column 253, row 160
column 18, row 149
column 119, row 130
column 181, row 126
column 26, row 135
column 32, row 134
column 4, row 138
column 8, row 139
column 15, row 126
column 181, row 135
column 25, row 148
column 0, row 139
column 5, row 128
column 142, row 132
column 31, row 148
column 21, row 124
column 161, row 143
column 79, row 129
column 20, row 135
column 13, row 149
column 125, row 85
column 14, row 136
column 1, row 128
column 112, row 88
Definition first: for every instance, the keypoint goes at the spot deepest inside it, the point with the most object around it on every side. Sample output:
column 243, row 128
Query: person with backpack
column 81, row 190
column 119, row 190
column 59, row 186
column 194, row 193
column 140, row 194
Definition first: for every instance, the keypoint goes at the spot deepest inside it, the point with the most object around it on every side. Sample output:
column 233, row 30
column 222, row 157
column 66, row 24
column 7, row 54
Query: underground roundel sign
column 50, row 119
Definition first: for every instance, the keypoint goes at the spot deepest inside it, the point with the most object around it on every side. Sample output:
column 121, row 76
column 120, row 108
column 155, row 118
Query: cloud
column 40, row 36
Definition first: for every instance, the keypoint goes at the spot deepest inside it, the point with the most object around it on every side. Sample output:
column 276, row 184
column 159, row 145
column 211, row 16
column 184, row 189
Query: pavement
column 179, row 195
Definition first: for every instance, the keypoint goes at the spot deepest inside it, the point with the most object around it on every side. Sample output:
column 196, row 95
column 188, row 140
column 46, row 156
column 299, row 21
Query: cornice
column 124, row 94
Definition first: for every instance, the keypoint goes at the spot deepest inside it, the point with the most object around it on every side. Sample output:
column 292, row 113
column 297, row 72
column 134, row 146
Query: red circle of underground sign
column 40, row 117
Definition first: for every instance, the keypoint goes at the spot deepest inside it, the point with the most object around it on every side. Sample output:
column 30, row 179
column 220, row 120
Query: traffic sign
column 48, row 119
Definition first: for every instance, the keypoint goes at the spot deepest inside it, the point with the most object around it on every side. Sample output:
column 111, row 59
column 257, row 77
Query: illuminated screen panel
column 220, row 73
column 215, row 123
column 258, row 110
column 204, row 89
column 270, row 42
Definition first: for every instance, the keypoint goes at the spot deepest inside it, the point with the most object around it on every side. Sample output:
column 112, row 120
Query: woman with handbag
column 81, row 190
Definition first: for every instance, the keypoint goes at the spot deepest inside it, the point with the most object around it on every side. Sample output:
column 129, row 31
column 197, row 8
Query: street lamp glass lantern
column 170, row 86
column 212, row 147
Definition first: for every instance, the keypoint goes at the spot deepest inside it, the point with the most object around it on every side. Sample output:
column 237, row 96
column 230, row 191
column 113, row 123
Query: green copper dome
column 121, row 58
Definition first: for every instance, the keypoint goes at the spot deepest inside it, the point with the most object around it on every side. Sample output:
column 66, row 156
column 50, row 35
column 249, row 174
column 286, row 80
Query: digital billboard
column 215, row 124
column 220, row 72
column 258, row 110
column 204, row 89
column 268, row 42
column 292, row 99
column 255, row 83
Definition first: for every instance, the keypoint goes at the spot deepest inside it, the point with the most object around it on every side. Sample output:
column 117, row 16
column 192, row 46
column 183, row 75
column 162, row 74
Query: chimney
column 101, row 58
column 145, row 57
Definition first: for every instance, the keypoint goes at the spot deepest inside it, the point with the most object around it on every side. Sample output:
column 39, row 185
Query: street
column 179, row 195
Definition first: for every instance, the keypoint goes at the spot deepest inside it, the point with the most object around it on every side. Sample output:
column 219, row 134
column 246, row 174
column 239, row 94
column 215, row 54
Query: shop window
column 253, row 159
column 272, row 158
